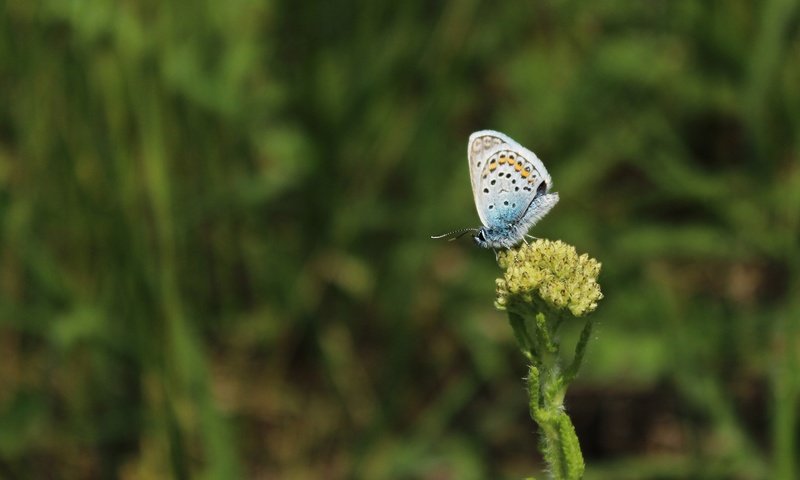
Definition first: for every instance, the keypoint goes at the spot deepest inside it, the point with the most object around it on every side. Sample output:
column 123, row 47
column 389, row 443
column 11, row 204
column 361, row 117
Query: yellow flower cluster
column 549, row 272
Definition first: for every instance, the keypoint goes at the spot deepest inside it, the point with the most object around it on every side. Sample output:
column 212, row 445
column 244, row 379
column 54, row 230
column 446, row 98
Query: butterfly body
column 511, row 188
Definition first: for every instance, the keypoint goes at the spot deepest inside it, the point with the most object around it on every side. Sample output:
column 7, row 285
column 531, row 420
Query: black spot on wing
column 541, row 189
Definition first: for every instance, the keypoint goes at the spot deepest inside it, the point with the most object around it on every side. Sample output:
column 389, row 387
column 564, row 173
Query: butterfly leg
column 531, row 237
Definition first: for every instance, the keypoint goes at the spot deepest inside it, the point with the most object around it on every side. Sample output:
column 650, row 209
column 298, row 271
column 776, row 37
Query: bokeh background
column 214, row 236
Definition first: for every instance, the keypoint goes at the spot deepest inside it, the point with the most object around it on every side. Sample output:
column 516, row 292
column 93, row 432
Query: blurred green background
column 214, row 236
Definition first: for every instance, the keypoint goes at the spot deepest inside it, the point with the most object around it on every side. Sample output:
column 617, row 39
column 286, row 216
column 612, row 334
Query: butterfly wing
column 506, row 177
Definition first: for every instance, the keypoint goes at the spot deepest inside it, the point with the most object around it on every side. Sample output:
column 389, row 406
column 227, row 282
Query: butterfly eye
column 480, row 238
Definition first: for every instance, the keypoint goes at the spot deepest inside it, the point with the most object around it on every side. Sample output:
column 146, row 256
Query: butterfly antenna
column 455, row 235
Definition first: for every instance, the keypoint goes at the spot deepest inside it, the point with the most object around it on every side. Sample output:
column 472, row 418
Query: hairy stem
column 546, row 386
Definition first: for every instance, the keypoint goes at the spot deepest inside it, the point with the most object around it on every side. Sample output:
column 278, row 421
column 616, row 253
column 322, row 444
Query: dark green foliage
column 214, row 221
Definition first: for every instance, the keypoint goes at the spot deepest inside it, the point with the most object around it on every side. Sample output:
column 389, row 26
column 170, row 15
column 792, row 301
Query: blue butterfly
column 511, row 189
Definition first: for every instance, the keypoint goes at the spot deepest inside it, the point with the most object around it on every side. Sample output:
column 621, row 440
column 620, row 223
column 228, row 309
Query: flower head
column 548, row 273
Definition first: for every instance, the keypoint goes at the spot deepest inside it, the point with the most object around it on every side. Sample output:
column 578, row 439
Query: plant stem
column 560, row 446
column 580, row 350
column 526, row 344
column 546, row 388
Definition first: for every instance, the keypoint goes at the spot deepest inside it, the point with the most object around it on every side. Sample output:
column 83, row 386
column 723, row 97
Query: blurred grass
column 214, row 221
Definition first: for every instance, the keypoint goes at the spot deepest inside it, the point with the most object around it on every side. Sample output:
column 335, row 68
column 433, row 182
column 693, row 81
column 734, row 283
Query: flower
column 548, row 273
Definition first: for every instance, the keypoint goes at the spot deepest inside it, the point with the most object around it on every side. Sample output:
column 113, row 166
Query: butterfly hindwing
column 505, row 176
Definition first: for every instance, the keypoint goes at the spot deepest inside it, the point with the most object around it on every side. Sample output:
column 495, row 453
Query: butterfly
column 511, row 188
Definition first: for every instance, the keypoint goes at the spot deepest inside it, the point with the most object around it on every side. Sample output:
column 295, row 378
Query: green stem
column 560, row 446
column 526, row 344
column 580, row 350
column 543, row 332
column 546, row 386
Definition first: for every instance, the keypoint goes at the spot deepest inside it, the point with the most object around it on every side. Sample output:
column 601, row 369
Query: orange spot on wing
column 518, row 166
column 525, row 173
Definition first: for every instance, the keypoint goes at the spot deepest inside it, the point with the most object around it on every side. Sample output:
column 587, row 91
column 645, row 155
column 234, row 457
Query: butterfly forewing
column 481, row 146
